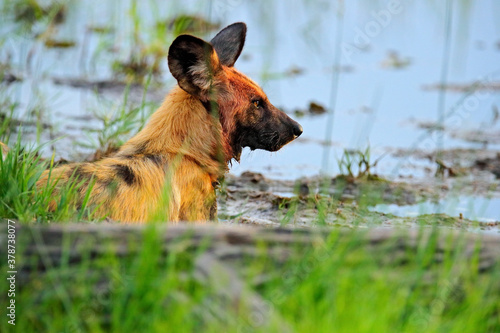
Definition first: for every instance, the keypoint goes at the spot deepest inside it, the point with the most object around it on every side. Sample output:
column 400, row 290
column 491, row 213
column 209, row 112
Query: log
column 230, row 242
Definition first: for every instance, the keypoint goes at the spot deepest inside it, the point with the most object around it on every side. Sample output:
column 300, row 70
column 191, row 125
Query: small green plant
column 144, row 55
column 7, row 108
column 147, row 51
column 190, row 24
column 357, row 160
column 118, row 124
column 31, row 14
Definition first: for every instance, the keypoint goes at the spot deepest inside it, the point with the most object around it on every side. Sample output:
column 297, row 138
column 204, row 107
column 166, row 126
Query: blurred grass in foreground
column 338, row 285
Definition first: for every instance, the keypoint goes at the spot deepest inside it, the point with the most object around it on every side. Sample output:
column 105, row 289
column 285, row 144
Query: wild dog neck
column 182, row 126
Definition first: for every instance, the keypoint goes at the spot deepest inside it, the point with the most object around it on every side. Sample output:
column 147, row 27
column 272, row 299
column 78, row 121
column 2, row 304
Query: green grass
column 357, row 160
column 339, row 285
column 21, row 200
column 118, row 122
column 349, row 289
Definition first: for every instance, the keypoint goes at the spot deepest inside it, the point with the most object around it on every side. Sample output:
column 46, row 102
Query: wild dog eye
column 257, row 103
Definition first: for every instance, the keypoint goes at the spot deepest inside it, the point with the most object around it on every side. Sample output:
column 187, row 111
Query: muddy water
column 378, row 76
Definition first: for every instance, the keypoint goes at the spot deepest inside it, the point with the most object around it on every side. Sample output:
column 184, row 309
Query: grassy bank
column 337, row 283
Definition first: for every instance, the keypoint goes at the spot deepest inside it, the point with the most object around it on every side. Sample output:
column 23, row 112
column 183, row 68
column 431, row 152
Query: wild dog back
column 171, row 167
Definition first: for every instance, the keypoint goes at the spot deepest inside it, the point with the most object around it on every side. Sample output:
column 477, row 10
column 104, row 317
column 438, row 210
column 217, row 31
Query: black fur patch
column 142, row 148
column 185, row 53
column 156, row 159
column 229, row 42
column 207, row 105
column 126, row 173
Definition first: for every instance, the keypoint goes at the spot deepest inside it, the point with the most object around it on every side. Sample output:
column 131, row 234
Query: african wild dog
column 201, row 126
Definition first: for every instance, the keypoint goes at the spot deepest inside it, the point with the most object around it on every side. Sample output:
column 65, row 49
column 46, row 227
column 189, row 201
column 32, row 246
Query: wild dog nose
column 297, row 130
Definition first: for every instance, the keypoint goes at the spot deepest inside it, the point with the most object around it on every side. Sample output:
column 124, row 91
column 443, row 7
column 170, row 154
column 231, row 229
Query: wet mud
column 308, row 202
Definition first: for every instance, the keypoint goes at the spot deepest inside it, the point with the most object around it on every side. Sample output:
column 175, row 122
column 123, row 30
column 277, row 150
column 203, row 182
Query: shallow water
column 387, row 56
column 474, row 208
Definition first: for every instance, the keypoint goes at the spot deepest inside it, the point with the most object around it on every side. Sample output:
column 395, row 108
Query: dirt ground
column 253, row 199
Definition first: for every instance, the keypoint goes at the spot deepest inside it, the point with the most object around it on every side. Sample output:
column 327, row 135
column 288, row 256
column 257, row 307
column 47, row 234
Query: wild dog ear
column 229, row 42
column 194, row 64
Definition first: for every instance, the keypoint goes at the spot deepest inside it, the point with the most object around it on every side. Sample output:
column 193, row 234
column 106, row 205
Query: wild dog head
column 206, row 71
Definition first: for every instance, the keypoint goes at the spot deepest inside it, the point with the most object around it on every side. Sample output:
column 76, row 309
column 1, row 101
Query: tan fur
column 184, row 136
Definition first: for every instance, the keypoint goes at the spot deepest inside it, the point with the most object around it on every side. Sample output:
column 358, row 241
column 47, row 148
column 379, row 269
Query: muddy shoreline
column 345, row 201
column 308, row 202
